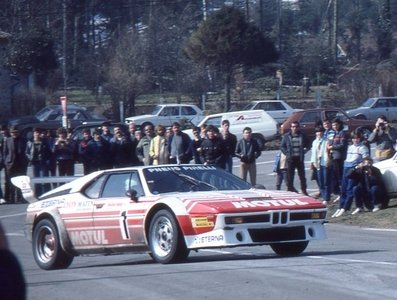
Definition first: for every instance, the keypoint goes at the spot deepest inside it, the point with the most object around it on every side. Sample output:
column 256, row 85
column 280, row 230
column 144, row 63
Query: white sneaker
column 357, row 210
column 340, row 213
column 335, row 213
column 2, row 201
column 376, row 208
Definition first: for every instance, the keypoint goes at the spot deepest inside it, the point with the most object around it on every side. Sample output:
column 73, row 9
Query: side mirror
column 132, row 194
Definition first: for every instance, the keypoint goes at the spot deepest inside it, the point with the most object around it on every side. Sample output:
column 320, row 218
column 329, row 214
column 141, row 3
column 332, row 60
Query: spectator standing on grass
column 98, row 150
column 179, row 146
column 15, row 162
column 230, row 142
column 3, row 136
column 83, row 151
column 356, row 153
column 280, row 169
column 213, row 149
column 337, row 148
column 64, row 153
column 385, row 138
column 248, row 150
column 370, row 188
column 294, row 145
column 143, row 147
column 38, row 153
column 120, row 149
column 195, row 145
column 159, row 147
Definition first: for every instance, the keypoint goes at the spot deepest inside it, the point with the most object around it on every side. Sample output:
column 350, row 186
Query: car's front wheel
column 289, row 249
column 165, row 238
column 47, row 249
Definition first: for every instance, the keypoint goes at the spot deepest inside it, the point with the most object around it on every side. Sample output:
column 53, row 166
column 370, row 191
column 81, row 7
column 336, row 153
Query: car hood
column 141, row 117
column 254, row 200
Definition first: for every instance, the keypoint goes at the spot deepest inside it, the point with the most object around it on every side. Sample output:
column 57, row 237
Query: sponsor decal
column 177, row 168
column 209, row 239
column 51, row 202
column 268, row 203
column 202, row 222
column 89, row 237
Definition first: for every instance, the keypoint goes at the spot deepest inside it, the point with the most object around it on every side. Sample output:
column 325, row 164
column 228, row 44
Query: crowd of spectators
column 341, row 165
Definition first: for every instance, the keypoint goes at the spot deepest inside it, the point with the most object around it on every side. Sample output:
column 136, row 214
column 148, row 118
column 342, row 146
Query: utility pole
column 335, row 31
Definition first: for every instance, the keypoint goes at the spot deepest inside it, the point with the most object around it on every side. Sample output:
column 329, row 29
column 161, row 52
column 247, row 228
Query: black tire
column 289, row 249
column 47, row 249
column 166, row 241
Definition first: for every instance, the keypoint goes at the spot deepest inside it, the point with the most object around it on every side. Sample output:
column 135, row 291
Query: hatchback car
column 277, row 109
column 166, row 114
column 372, row 108
column 310, row 118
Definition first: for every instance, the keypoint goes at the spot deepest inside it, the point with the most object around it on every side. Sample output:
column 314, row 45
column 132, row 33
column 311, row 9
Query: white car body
column 166, row 114
column 278, row 109
column 388, row 168
column 264, row 127
column 372, row 108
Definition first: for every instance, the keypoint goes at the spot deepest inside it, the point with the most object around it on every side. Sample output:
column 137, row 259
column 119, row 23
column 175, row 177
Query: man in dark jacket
column 248, row 150
column 294, row 145
column 15, row 163
column 179, row 146
column 212, row 149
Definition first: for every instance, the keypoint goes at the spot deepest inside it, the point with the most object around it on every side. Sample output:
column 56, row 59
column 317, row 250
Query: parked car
column 50, row 117
column 167, row 211
column 166, row 114
column 372, row 108
column 388, row 169
column 310, row 118
column 278, row 109
column 77, row 133
column 264, row 127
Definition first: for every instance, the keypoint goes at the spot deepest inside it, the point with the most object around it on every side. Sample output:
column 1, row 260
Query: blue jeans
column 229, row 164
column 324, row 182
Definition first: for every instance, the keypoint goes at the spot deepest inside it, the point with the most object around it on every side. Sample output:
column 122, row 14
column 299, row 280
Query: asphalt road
column 353, row 263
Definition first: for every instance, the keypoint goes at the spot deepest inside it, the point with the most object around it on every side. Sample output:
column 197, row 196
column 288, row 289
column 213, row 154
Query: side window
column 393, row 102
column 381, row 103
column 188, row 111
column 331, row 114
column 136, row 184
column 216, row 121
column 276, row 106
column 117, row 185
column 311, row 117
column 94, row 189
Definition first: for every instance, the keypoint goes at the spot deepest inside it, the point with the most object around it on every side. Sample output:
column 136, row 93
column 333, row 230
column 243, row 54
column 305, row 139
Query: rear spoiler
column 24, row 183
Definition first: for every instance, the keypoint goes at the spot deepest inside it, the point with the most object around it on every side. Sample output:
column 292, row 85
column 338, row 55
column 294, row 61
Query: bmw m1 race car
column 166, row 210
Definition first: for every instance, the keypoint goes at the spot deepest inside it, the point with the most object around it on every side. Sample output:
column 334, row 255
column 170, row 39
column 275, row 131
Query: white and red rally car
column 168, row 211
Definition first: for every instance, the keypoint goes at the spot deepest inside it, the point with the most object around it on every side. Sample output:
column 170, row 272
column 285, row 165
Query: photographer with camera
column 385, row 138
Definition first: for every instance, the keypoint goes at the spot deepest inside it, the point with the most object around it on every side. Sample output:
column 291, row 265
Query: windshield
column 156, row 110
column 42, row 114
column 249, row 106
column 171, row 179
column 368, row 102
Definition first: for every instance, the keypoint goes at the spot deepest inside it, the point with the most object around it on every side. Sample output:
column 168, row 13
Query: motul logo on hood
column 268, row 203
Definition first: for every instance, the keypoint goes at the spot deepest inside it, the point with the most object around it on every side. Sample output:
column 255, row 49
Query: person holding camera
column 385, row 138
column 370, row 188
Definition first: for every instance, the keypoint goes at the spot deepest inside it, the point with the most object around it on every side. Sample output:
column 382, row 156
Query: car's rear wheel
column 47, row 249
column 289, row 249
column 361, row 117
column 165, row 238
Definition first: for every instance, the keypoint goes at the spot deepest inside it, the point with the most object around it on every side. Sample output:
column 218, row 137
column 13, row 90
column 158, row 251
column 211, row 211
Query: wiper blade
column 195, row 181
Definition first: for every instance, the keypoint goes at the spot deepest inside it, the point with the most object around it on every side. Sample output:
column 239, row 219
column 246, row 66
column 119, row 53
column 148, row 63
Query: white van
column 264, row 127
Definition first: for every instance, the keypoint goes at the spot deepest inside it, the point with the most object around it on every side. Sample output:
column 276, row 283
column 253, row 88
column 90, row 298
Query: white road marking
column 355, row 260
column 380, row 229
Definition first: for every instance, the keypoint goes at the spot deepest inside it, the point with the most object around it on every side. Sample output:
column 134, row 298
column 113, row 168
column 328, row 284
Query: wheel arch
column 169, row 204
column 56, row 219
